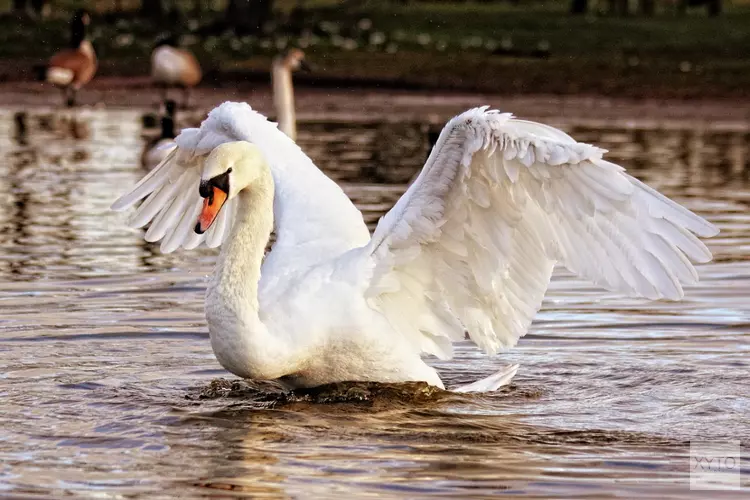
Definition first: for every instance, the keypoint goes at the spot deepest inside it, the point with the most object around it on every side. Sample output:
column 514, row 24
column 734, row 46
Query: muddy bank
column 378, row 104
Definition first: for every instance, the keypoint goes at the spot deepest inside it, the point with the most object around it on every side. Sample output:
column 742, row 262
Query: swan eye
column 220, row 182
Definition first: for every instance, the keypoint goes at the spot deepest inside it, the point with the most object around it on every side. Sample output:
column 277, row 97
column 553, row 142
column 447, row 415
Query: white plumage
column 470, row 247
column 60, row 76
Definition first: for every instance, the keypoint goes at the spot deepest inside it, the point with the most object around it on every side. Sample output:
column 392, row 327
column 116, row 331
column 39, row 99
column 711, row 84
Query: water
column 105, row 360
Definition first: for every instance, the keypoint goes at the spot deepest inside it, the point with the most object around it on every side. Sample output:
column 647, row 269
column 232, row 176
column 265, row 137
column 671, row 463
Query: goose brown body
column 80, row 62
column 172, row 66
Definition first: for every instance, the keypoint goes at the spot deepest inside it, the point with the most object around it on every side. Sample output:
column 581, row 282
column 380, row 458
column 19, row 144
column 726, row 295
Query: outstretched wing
column 472, row 244
column 311, row 212
column 172, row 202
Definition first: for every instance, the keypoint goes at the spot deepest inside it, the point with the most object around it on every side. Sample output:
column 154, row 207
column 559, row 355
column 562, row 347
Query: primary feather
column 498, row 204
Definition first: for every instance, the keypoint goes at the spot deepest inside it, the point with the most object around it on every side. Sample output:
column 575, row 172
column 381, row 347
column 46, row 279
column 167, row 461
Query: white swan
column 283, row 89
column 469, row 247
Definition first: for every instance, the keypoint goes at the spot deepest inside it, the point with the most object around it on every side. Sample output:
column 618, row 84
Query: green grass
column 662, row 56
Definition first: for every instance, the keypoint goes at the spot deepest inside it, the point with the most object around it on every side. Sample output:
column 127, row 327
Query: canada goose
column 72, row 68
column 283, row 89
column 174, row 67
column 158, row 149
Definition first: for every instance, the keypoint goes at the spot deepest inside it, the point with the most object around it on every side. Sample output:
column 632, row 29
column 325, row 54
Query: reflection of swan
column 172, row 66
column 158, row 149
column 469, row 247
column 283, row 90
column 72, row 68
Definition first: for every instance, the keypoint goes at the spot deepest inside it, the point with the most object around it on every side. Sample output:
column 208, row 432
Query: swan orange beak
column 211, row 206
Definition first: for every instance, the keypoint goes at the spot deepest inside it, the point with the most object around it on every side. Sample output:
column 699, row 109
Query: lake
column 105, row 362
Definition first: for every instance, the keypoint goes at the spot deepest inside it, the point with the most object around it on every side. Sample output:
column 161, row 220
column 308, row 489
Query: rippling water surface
column 105, row 363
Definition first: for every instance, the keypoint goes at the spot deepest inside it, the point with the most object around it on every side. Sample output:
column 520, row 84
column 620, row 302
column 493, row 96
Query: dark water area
column 109, row 388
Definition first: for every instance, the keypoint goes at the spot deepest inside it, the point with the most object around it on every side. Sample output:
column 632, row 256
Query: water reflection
column 62, row 170
column 350, row 447
column 423, row 449
column 102, row 338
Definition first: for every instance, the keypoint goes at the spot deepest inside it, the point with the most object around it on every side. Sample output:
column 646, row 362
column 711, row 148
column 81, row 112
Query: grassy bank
column 473, row 46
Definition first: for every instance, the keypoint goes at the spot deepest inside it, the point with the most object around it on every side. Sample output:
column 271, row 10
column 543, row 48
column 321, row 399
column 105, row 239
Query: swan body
column 470, row 247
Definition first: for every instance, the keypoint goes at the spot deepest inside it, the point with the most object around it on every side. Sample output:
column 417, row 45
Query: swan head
column 229, row 168
column 295, row 60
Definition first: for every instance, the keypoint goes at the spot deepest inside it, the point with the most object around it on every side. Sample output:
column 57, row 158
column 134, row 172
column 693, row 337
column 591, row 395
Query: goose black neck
column 167, row 120
column 77, row 32
column 167, row 127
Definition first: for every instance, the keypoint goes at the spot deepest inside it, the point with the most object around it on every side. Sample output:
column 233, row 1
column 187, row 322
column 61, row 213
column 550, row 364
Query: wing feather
column 498, row 204
column 311, row 212
column 153, row 180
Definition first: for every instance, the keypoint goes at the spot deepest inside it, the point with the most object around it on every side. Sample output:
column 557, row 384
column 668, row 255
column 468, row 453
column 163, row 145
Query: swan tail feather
column 494, row 382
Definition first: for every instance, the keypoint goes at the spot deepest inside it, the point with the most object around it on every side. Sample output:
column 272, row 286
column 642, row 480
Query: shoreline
column 363, row 103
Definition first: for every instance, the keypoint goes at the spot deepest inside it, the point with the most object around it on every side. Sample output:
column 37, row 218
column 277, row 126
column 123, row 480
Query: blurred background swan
column 283, row 88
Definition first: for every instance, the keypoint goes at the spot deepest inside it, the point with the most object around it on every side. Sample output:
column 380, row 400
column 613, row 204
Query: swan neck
column 238, row 266
column 283, row 97
column 240, row 340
